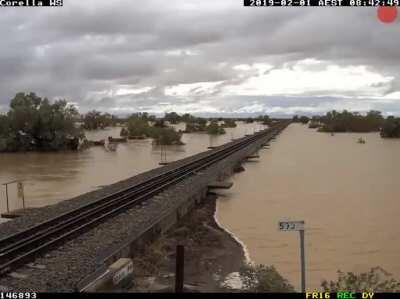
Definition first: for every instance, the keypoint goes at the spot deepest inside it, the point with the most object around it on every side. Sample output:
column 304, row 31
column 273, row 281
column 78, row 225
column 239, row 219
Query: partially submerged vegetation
column 301, row 119
column 172, row 117
column 314, row 123
column 391, row 127
column 94, row 120
column 196, row 127
column 166, row 136
column 35, row 124
column 264, row 119
column 195, row 124
column 346, row 121
column 215, row 129
column 375, row 280
column 229, row 123
column 138, row 127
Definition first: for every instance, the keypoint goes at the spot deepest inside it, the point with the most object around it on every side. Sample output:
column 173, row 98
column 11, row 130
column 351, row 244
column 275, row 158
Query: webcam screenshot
column 236, row 147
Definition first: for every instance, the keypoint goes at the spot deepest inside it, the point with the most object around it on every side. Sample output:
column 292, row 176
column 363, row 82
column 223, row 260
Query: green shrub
column 35, row 124
column 351, row 122
column 136, row 126
column 261, row 278
column 215, row 129
column 165, row 136
column 229, row 123
column 391, row 128
column 376, row 280
column 94, row 120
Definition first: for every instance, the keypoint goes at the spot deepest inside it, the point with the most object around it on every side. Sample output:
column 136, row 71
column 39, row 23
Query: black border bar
column 321, row 3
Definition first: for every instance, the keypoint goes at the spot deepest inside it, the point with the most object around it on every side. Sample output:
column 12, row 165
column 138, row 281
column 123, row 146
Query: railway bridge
column 65, row 246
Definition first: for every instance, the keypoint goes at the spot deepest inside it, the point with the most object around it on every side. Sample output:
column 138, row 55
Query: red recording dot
column 387, row 14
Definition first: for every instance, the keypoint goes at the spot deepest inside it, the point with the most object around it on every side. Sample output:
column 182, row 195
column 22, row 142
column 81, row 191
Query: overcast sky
column 201, row 56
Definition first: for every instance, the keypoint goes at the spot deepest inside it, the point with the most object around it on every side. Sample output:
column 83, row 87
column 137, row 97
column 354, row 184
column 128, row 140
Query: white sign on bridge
column 291, row 225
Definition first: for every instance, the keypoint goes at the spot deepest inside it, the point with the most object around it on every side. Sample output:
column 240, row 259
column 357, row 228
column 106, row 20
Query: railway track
column 22, row 247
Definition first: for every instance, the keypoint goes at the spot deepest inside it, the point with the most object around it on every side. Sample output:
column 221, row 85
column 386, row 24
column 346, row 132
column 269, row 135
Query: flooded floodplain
column 347, row 193
column 53, row 177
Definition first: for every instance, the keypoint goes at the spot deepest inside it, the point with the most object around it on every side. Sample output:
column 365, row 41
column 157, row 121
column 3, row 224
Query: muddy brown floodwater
column 347, row 193
column 53, row 177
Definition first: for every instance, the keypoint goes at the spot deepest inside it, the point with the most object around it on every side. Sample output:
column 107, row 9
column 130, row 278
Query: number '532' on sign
column 291, row 225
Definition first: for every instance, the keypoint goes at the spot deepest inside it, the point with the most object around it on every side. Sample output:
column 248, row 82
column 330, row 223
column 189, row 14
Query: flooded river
column 52, row 177
column 347, row 193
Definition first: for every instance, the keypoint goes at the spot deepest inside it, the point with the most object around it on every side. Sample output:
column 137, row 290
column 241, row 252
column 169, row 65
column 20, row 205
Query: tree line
column 345, row 121
column 34, row 123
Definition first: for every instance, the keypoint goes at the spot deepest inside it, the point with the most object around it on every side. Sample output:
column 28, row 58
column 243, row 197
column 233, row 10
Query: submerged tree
column 188, row 118
column 195, row 124
column 215, row 129
column 265, row 119
column 300, row 119
column 195, row 127
column 136, row 126
column 33, row 123
column 391, row 127
column 94, row 120
column 172, row 117
column 346, row 121
column 159, row 123
column 166, row 136
column 304, row 119
column 229, row 123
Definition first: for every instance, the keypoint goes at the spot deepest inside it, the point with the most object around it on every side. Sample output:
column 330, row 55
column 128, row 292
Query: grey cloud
column 94, row 45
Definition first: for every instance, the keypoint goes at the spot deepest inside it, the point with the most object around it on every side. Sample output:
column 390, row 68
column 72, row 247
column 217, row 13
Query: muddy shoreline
column 211, row 254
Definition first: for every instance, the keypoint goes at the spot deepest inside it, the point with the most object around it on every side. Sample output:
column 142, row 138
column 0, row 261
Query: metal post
column 303, row 263
column 179, row 273
column 8, row 208
column 23, row 196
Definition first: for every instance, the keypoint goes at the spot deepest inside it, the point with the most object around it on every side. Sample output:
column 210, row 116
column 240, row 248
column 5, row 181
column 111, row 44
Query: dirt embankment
column 210, row 255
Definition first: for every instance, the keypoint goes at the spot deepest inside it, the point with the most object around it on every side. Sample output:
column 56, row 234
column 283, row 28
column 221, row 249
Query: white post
column 297, row 226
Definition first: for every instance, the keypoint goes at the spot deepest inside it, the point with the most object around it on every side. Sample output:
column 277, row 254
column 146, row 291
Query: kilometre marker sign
column 297, row 226
column 291, row 225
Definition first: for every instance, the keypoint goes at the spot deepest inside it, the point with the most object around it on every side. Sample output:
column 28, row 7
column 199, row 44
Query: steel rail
column 23, row 248
column 68, row 214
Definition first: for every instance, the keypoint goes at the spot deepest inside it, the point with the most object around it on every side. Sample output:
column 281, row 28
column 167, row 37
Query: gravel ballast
column 74, row 260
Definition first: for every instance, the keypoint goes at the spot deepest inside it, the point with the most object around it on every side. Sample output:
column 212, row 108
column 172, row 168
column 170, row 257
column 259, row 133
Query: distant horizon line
column 230, row 114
